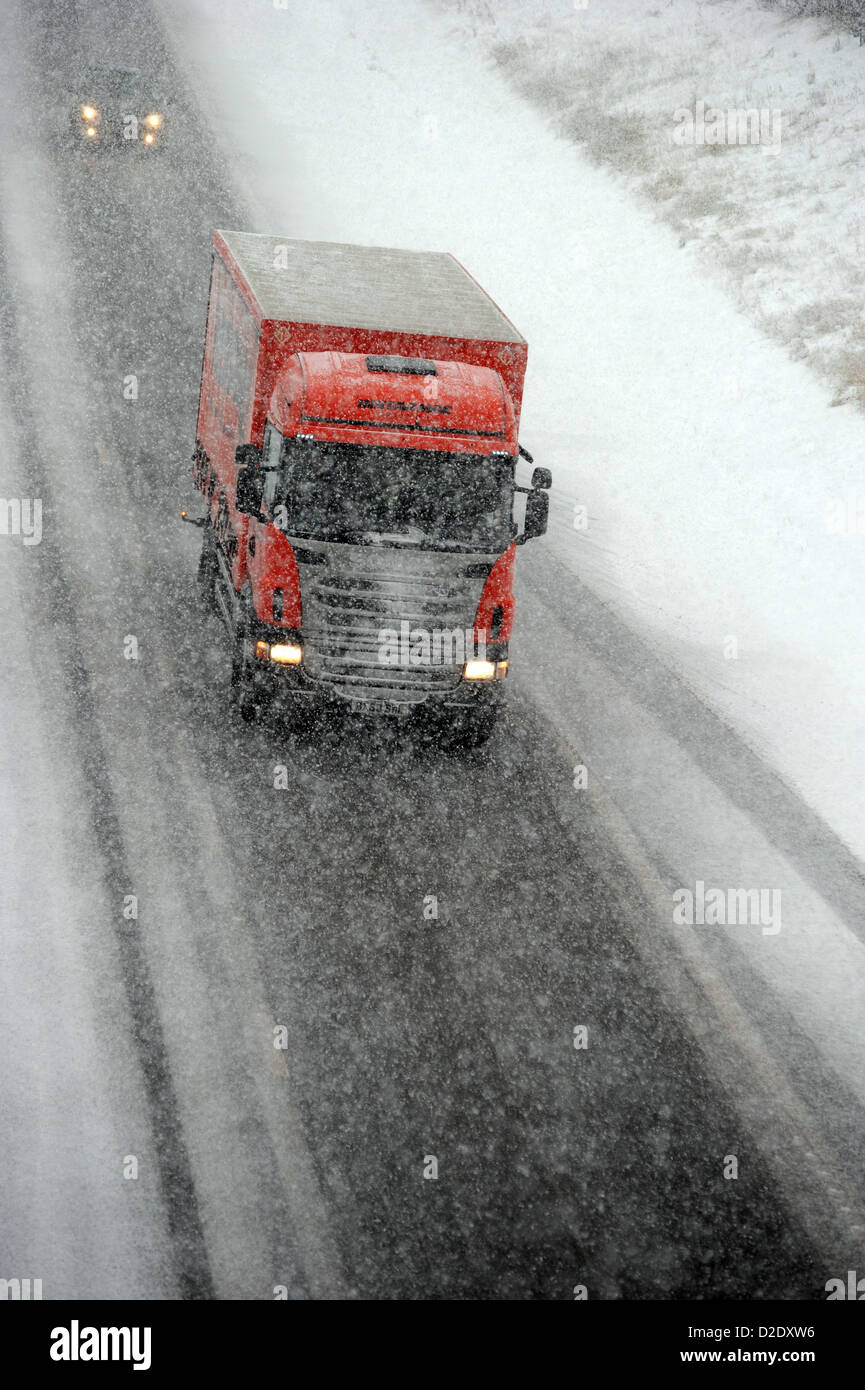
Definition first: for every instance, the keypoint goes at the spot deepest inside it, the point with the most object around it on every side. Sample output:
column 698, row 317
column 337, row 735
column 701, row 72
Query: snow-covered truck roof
column 372, row 287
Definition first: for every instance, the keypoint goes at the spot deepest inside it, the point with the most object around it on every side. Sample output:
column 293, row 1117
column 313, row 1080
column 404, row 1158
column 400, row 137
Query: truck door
column 261, row 537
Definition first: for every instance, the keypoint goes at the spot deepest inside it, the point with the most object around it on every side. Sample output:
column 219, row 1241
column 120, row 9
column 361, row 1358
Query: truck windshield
column 379, row 496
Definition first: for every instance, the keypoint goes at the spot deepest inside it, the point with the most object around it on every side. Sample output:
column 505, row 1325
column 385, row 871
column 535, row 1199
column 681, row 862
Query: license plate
column 379, row 707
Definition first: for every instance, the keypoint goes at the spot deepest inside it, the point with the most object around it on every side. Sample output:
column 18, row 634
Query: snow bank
column 770, row 203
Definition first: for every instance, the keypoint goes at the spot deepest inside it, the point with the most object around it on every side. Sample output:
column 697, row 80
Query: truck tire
column 207, row 569
column 469, row 729
column 247, row 698
column 480, row 728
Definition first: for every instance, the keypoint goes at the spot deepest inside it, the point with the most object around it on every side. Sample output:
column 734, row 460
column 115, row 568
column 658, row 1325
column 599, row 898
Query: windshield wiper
column 413, row 536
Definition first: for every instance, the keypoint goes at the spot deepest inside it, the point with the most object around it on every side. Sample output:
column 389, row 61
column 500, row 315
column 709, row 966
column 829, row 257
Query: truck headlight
column 479, row 670
column 286, row 653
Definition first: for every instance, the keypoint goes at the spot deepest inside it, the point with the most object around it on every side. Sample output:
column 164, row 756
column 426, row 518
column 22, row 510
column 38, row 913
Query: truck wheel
column 207, row 570
column 247, row 698
column 469, row 729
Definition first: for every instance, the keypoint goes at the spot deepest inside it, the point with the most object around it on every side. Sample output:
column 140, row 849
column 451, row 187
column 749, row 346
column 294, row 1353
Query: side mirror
column 537, row 513
column 249, row 490
column 542, row 477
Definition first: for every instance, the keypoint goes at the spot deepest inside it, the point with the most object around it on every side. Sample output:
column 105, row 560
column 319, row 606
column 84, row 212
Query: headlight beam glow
column 480, row 670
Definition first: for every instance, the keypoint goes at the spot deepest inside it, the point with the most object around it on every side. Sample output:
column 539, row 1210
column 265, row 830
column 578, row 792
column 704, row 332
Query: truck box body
column 282, row 296
column 354, row 346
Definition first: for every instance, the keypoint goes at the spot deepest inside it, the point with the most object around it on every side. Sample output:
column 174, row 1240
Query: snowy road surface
column 151, row 1037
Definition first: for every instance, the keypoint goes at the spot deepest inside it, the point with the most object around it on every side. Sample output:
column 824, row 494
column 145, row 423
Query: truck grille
column 350, row 593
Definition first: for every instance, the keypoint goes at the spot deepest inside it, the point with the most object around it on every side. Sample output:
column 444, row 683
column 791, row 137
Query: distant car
column 118, row 107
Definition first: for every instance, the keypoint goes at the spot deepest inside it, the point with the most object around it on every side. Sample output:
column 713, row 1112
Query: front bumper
column 294, row 684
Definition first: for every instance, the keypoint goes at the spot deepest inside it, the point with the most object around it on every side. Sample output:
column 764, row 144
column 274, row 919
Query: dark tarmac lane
column 406, row 1038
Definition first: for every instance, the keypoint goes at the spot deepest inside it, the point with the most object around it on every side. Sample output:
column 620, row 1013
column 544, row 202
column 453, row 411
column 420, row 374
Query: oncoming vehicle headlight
column 283, row 653
column 89, row 113
column 480, row 670
column 154, row 121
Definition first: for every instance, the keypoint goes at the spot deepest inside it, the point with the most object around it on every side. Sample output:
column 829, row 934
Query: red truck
column 357, row 449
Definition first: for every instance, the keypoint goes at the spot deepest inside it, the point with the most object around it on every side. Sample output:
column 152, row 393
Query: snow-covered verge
column 705, row 458
column 780, row 220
